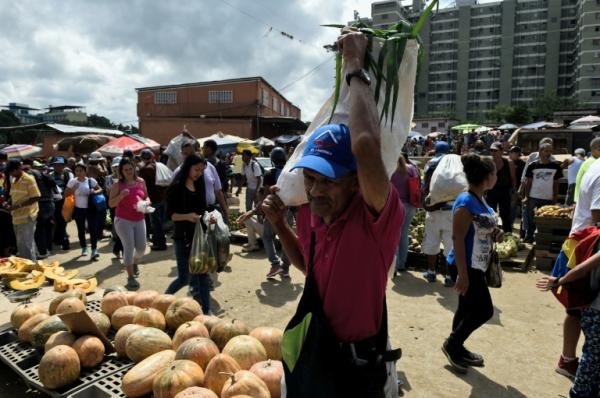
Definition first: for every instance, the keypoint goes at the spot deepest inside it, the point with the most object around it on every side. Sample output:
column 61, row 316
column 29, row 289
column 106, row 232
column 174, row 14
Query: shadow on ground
column 276, row 293
column 483, row 386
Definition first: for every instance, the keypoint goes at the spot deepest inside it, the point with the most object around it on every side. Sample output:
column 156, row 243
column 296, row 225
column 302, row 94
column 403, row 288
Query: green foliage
column 544, row 107
column 7, row 118
column 518, row 114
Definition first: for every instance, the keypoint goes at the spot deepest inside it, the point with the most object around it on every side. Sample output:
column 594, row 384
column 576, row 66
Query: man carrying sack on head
column 336, row 345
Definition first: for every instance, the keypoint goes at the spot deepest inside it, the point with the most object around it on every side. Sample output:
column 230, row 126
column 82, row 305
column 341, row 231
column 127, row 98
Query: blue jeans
column 268, row 239
column 199, row 284
column 402, row 252
column 158, row 218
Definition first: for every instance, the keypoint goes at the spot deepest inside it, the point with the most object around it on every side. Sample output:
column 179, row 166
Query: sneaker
column 95, row 254
column 43, row 256
column 448, row 281
column 136, row 270
column 132, row 284
column 117, row 254
column 285, row 274
column 84, row 251
column 455, row 358
column 567, row 369
column 430, row 276
column 250, row 249
column 274, row 272
column 471, row 358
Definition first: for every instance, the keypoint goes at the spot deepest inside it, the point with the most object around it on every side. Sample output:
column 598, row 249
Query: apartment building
column 510, row 52
column 247, row 107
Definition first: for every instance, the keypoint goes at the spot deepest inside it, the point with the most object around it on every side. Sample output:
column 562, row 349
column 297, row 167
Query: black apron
column 316, row 364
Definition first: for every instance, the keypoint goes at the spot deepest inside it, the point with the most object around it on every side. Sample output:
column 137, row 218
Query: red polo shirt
column 352, row 259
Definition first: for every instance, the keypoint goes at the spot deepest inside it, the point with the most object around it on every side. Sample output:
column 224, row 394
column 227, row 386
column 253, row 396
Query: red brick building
column 247, row 107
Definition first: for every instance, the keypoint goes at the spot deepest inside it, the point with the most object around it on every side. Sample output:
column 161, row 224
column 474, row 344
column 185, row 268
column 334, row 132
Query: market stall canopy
column 287, row 139
column 482, row 129
column 134, row 143
column 82, row 143
column 465, row 127
column 414, row 134
column 20, row 151
column 264, row 141
column 68, row 129
column 435, row 134
column 541, row 125
column 247, row 146
column 508, row 126
column 589, row 120
column 221, row 139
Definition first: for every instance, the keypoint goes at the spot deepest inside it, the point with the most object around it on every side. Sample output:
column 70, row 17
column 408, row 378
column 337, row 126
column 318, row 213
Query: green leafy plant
column 385, row 67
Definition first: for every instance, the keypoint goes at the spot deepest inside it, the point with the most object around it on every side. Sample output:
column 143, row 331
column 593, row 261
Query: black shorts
column 574, row 313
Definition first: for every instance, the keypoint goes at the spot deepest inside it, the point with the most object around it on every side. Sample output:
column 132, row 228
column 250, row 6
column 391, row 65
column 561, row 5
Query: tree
column 99, row 121
column 518, row 114
column 545, row 106
column 7, row 118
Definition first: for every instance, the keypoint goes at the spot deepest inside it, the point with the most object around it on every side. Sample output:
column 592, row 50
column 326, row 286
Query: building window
column 165, row 97
column 220, row 97
column 383, row 16
column 596, row 42
column 425, row 125
column 441, row 124
column 275, row 104
column 265, row 97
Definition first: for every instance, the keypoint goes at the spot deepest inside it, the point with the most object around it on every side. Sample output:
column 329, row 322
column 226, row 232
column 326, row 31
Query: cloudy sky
column 95, row 53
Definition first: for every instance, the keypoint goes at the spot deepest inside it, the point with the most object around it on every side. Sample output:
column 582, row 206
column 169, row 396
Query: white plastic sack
column 291, row 183
column 448, row 180
column 173, row 150
column 164, row 175
column 143, row 206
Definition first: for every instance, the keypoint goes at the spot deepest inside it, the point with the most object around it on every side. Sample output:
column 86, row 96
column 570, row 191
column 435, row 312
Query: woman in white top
column 82, row 186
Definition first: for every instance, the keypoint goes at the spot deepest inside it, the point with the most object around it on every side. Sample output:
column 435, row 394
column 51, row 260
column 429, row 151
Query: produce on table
column 416, row 231
column 208, row 320
column 271, row 372
column 138, row 381
column 145, row 342
column 43, row 330
column 131, row 297
column 24, row 333
column 57, row 300
column 554, row 211
column 112, row 302
column 270, row 339
column 123, row 316
column 163, row 302
column 59, row 367
column 182, row 310
column 150, row 317
column 196, row 392
column 90, row 350
column 101, row 321
column 509, row 247
column 246, row 350
column 245, row 383
column 224, row 331
column 60, row 273
column 145, row 298
column 122, row 336
column 198, row 349
column 60, row 338
column 176, row 377
column 69, row 305
column 187, row 331
column 33, row 281
column 25, row 311
column 85, row 285
column 214, row 377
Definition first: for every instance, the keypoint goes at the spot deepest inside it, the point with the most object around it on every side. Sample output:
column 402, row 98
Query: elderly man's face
column 545, row 153
column 328, row 198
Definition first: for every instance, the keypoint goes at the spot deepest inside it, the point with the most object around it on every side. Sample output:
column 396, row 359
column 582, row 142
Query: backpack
column 262, row 169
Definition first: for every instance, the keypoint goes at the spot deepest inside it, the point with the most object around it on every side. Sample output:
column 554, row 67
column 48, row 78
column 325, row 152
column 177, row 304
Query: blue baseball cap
column 441, row 148
column 329, row 152
column 58, row 160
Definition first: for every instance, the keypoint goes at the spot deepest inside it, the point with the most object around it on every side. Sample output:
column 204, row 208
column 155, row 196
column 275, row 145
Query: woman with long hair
column 474, row 229
column 129, row 222
column 400, row 179
column 186, row 203
column 82, row 186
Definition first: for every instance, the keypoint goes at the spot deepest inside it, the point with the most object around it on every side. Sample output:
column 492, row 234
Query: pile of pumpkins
column 177, row 350
column 22, row 274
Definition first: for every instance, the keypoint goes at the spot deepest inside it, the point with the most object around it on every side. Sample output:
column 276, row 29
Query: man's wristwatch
column 555, row 283
column 361, row 74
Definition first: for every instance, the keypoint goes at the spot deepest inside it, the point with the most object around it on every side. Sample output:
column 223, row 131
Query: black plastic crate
column 14, row 353
column 94, row 306
column 108, row 387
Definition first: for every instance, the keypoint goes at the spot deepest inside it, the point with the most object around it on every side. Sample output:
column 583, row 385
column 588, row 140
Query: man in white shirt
column 253, row 175
column 214, row 191
column 573, row 165
column 587, row 211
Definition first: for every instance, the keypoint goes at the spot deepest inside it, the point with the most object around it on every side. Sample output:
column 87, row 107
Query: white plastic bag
column 448, row 180
column 291, row 183
column 218, row 238
column 143, row 206
column 173, row 150
column 164, row 175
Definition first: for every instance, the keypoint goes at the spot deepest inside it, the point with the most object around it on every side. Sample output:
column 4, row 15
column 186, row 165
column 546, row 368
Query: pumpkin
column 163, row 302
column 123, row 316
column 130, row 297
column 122, row 336
column 25, row 329
column 114, row 289
column 150, row 317
column 145, row 342
column 208, row 320
column 101, row 321
column 112, row 302
column 181, row 311
column 71, row 293
column 196, row 392
column 213, row 374
column 137, row 382
column 69, row 305
column 224, row 331
column 246, row 350
column 176, row 377
column 198, row 349
column 90, row 350
column 145, row 298
column 244, row 383
column 270, row 339
column 59, row 367
column 187, row 331
column 59, row 338
column 23, row 312
column 43, row 330
column 271, row 372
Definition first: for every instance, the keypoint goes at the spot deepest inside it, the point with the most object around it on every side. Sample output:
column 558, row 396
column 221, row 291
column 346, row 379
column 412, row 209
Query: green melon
column 42, row 332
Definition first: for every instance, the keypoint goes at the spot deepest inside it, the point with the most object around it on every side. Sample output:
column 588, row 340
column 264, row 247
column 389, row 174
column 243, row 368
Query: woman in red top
column 129, row 222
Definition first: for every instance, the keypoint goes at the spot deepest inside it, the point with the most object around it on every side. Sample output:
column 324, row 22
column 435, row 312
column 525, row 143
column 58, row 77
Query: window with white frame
column 265, row 97
column 220, row 97
column 275, row 104
column 165, row 97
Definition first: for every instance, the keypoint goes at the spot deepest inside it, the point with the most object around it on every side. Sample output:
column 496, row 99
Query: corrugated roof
column 68, row 129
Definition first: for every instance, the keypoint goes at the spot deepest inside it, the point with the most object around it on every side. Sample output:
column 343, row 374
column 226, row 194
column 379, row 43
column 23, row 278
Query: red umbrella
column 134, row 144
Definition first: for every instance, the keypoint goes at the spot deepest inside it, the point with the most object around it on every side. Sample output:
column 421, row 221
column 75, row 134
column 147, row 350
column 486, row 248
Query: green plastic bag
column 202, row 255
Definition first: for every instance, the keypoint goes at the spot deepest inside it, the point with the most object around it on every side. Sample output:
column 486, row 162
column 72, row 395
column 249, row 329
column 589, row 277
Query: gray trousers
column 250, row 195
column 24, row 234
column 133, row 238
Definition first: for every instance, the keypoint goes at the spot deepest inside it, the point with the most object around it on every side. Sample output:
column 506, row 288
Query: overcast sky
column 95, row 53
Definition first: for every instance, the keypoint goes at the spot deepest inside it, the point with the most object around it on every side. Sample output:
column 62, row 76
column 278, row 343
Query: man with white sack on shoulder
column 337, row 342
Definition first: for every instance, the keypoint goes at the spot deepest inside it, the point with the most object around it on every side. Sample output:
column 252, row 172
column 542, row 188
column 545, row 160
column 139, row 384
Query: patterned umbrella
column 131, row 142
column 20, row 150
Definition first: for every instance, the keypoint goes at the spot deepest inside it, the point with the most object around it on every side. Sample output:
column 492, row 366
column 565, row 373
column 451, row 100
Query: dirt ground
column 521, row 344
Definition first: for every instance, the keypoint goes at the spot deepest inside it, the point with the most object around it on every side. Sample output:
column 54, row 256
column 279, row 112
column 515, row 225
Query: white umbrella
column 415, row 134
column 589, row 120
column 264, row 141
column 221, row 139
column 508, row 126
column 482, row 129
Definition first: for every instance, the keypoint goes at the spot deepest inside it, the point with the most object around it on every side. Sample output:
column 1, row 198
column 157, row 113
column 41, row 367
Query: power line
column 306, row 74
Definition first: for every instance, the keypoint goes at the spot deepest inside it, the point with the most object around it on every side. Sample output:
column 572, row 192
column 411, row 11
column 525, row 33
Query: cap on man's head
column 515, row 149
column 95, row 156
column 546, row 140
column 441, row 148
column 146, row 154
column 58, row 160
column 329, row 152
column 580, row 151
column 12, row 165
column 116, row 161
column 496, row 146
